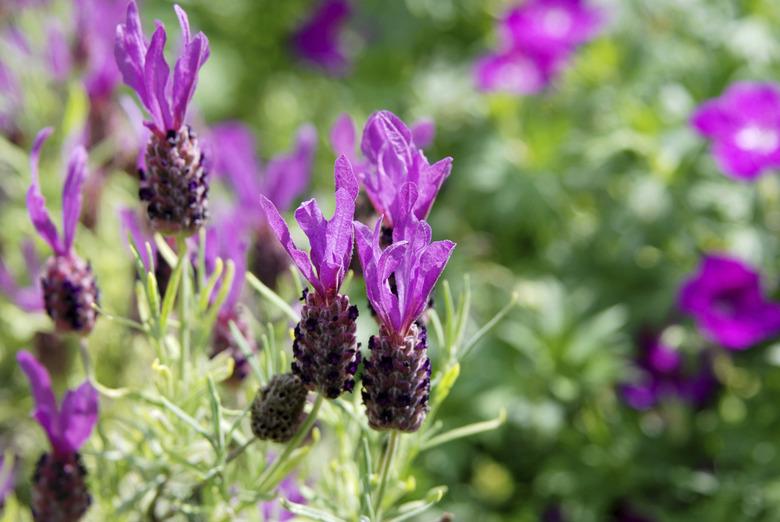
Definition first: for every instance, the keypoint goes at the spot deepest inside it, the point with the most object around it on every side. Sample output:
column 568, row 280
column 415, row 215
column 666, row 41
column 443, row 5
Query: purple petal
column 385, row 129
column 184, row 23
column 185, row 76
column 36, row 203
column 423, row 132
column 28, row 299
column 7, row 486
column 78, row 416
column 342, row 136
column 282, row 233
column 58, row 54
column 45, row 403
column 431, row 179
column 71, row 195
column 310, row 218
column 515, row 72
column 130, row 54
column 318, row 38
column 156, row 73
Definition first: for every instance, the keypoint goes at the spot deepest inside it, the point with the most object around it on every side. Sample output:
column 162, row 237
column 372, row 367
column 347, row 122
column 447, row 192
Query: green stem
column 384, row 471
column 85, row 359
column 294, row 443
column 184, row 298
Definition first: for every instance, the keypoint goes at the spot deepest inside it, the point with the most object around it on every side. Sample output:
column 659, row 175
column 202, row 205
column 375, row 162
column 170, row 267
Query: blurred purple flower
column 144, row 68
column 69, row 425
column 282, row 180
column 273, row 510
column 132, row 226
column 516, row 71
column 537, row 39
column 726, row 300
column 663, row 374
column 96, row 22
column 318, row 39
column 744, row 125
column 27, row 298
column 225, row 239
column 331, row 240
column 550, row 25
column 57, row 53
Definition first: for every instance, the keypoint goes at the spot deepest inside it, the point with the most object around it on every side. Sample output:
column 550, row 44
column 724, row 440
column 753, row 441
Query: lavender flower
column 273, row 511
column 726, row 300
column 59, row 488
column 96, row 22
column 537, row 39
column 396, row 380
column 69, row 286
column 27, row 298
column 225, row 240
column 662, row 374
column 744, row 125
column 174, row 185
column 318, row 39
column 277, row 410
column 325, row 351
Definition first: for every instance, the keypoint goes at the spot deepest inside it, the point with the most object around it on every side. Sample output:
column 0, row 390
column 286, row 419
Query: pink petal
column 36, row 203
column 156, row 73
column 342, row 136
column 71, row 195
column 79, row 415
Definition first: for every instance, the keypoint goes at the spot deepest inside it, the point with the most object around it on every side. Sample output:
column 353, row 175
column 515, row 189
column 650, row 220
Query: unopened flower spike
column 396, row 377
column 174, row 184
column 726, row 299
column 59, row 489
column 226, row 240
column 325, row 350
column 393, row 159
column 68, row 284
column 277, row 411
column 283, row 179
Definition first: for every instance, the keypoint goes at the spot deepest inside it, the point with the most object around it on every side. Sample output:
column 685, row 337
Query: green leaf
column 472, row 342
column 272, row 297
column 170, row 294
column 412, row 509
column 187, row 419
column 466, row 431
column 309, row 512
column 216, row 419
column 445, row 385
column 246, row 350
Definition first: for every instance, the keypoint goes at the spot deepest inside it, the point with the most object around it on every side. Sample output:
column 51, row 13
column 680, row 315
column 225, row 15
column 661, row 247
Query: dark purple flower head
column 144, row 68
column 68, row 425
column 726, row 300
column 550, row 25
column 744, row 125
column 516, row 71
column 391, row 159
column 318, row 39
column 661, row 373
column 282, row 180
column 415, row 262
column 96, row 22
column 71, row 198
column 27, row 298
column 330, row 240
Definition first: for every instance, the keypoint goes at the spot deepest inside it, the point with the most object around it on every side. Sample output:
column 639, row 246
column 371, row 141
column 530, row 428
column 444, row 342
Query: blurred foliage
column 591, row 201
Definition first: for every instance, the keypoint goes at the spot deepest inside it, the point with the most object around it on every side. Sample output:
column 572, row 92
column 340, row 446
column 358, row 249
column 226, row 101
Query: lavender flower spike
column 325, row 350
column 744, row 125
column 174, row 185
column 69, row 286
column 394, row 159
column 59, row 488
column 726, row 300
column 396, row 380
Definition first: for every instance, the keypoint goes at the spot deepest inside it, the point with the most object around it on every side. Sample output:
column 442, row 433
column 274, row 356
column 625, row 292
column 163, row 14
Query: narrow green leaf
column 208, row 288
column 309, row 512
column 272, row 297
column 187, row 419
column 216, row 419
column 466, row 431
column 469, row 346
column 412, row 509
column 170, row 294
column 246, row 350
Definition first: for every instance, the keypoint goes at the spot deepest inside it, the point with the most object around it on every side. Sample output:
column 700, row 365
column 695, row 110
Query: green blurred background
column 592, row 201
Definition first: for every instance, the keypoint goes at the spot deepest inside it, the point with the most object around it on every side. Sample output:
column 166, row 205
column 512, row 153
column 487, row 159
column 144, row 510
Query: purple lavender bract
column 69, row 286
column 744, row 125
column 174, row 185
column 59, row 489
column 325, row 350
column 318, row 39
column 726, row 300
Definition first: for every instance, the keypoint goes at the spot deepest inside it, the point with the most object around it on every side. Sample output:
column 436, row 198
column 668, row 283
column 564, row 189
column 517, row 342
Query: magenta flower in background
column 726, row 300
column 59, row 489
column 744, row 126
column 144, row 68
column 318, row 40
column 325, row 351
column 96, row 22
column 273, row 510
column 132, row 227
column 537, row 39
column 69, row 286
column 663, row 374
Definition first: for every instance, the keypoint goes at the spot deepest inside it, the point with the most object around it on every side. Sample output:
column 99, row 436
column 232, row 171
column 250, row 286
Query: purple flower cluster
column 536, row 40
column 744, row 126
column 662, row 373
